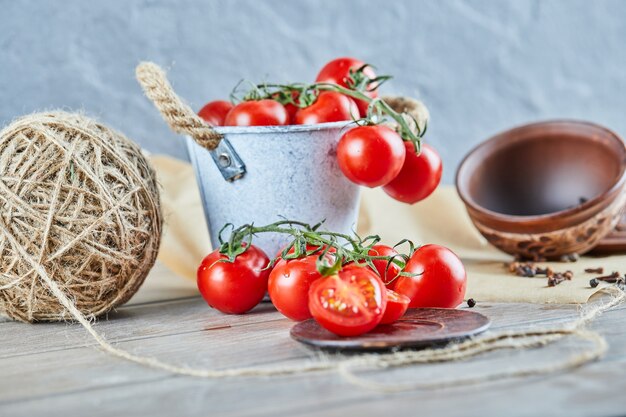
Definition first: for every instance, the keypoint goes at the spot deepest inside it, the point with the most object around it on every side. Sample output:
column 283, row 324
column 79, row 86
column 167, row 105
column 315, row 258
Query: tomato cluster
column 285, row 108
column 349, row 301
column 370, row 154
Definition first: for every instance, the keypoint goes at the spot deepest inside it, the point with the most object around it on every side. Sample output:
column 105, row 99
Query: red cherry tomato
column 329, row 107
column 350, row 303
column 397, row 305
column 337, row 72
column 371, row 155
column 419, row 176
column 291, row 108
column 387, row 274
column 441, row 281
column 236, row 287
column 214, row 112
column 257, row 113
column 289, row 285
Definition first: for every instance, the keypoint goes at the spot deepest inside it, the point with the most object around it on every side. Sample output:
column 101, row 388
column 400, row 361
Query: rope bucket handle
column 178, row 115
column 182, row 119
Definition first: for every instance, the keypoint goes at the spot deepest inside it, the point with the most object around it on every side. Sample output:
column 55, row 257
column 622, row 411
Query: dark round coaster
column 419, row 328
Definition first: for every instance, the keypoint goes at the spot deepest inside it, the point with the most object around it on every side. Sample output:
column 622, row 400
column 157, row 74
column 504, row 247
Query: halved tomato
column 349, row 303
column 397, row 305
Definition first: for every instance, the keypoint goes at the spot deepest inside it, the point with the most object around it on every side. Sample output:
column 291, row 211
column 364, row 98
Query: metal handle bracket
column 228, row 162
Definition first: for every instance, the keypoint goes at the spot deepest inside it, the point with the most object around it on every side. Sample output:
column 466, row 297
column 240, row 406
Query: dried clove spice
column 556, row 279
column 529, row 269
column 612, row 278
column 544, row 271
column 471, row 303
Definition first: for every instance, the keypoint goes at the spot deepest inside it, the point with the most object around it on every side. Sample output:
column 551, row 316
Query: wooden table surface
column 55, row 369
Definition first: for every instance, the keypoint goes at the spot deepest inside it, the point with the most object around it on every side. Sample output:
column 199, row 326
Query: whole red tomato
column 371, row 155
column 257, row 113
column 397, row 305
column 236, row 287
column 387, row 274
column 440, row 282
column 337, row 72
column 349, row 303
column 329, row 107
column 419, row 176
column 289, row 285
column 214, row 112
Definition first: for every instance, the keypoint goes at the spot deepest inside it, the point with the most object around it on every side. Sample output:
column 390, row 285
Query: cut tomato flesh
column 397, row 305
column 349, row 303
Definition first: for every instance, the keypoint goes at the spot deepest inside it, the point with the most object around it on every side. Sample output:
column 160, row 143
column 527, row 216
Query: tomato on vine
column 289, row 99
column 234, row 287
column 328, row 107
column 350, row 302
column 419, row 177
column 371, row 155
column 386, row 270
column 214, row 112
column 439, row 278
column 341, row 71
column 264, row 112
column 289, row 284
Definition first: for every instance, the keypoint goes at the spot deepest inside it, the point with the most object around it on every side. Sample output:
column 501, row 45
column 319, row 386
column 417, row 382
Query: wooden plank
column 146, row 321
column 595, row 389
column 50, row 364
column 154, row 319
column 45, row 374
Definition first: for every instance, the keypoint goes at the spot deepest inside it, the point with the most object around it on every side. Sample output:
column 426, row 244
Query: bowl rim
column 557, row 215
column 281, row 129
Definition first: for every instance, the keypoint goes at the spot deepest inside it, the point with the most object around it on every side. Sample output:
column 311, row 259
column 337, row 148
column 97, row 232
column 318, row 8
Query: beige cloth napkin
column 440, row 219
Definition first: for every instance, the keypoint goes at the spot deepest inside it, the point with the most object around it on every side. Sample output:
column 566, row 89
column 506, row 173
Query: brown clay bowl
column 546, row 189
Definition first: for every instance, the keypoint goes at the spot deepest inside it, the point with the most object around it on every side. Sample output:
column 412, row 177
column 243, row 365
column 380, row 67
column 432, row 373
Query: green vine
column 334, row 250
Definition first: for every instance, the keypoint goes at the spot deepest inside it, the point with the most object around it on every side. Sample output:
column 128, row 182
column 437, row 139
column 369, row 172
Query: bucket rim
column 227, row 130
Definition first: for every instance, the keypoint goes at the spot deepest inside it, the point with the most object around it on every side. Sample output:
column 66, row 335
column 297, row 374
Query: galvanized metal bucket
column 262, row 174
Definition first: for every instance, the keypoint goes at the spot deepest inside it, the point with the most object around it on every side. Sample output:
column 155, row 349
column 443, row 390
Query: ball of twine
column 79, row 207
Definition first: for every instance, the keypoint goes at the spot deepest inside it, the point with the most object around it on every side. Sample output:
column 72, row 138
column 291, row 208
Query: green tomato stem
column 352, row 251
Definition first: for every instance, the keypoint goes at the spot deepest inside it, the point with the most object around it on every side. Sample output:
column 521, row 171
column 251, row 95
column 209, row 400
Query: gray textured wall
column 481, row 66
